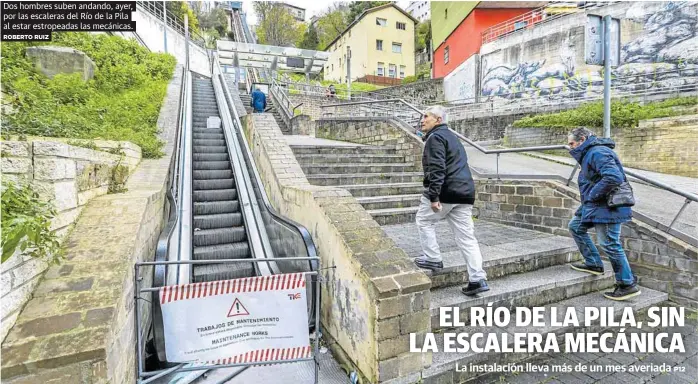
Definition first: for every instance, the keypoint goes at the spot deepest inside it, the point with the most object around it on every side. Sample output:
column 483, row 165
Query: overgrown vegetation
column 121, row 102
column 26, row 224
column 623, row 114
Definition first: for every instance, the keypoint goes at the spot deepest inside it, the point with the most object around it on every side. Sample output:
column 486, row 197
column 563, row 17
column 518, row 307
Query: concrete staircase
column 388, row 187
column 525, row 268
column 246, row 99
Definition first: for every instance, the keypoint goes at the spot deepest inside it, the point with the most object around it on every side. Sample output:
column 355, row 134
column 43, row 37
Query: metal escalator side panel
column 304, row 245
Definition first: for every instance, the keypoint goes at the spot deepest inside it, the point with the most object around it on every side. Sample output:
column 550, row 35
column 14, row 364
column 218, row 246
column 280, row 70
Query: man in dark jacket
column 600, row 172
column 449, row 193
column 258, row 101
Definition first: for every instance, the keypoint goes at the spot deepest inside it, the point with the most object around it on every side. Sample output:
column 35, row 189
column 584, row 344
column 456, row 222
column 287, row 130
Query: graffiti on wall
column 663, row 55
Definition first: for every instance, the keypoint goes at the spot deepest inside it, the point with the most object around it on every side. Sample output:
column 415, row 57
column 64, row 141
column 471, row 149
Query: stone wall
column 666, row 145
column 490, row 127
column 374, row 296
column 660, row 261
column 69, row 177
column 311, row 104
column 420, row 92
column 79, row 326
column 374, row 131
column 658, row 52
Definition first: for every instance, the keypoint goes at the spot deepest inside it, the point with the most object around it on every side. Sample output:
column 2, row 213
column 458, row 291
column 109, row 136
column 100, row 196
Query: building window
column 397, row 48
column 381, row 22
column 446, row 55
column 379, row 45
column 400, row 25
column 381, row 70
column 446, row 14
column 391, row 70
column 402, row 71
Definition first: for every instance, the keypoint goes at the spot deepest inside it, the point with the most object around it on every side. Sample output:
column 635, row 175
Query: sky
column 312, row 7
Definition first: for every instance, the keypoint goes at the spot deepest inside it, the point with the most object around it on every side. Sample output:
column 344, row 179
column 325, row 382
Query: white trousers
column 460, row 218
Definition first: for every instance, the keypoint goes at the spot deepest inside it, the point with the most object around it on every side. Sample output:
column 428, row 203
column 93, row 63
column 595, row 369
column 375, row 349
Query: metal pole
column 680, row 212
column 607, row 76
column 186, row 37
column 164, row 23
column 349, row 72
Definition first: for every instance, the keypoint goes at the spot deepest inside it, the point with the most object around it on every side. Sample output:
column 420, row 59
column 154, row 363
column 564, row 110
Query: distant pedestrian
column 600, row 173
column 258, row 101
column 449, row 193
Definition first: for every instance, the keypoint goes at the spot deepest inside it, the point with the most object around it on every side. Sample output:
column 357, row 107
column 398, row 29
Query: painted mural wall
column 461, row 84
column 659, row 51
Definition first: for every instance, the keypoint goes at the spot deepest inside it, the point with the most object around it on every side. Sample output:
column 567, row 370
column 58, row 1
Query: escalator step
column 208, row 142
column 212, row 174
column 239, row 250
column 209, row 149
column 219, row 236
column 211, row 165
column 208, row 136
column 198, row 130
column 220, row 220
column 214, row 184
column 216, row 272
column 210, row 157
column 214, row 207
column 215, row 195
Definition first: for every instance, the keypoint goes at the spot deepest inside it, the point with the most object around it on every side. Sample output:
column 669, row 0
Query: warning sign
column 233, row 321
column 237, row 309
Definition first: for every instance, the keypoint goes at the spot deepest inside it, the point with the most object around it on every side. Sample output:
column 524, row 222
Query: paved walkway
column 655, row 203
column 295, row 140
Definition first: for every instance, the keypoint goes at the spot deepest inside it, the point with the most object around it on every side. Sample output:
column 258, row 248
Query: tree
column 356, row 8
column 216, row 19
column 276, row 24
column 177, row 10
column 310, row 39
column 330, row 26
column 423, row 35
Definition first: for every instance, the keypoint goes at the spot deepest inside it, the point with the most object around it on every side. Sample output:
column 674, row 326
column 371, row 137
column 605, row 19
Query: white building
column 420, row 10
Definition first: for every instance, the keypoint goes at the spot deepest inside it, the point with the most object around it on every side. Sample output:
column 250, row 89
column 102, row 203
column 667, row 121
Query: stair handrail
column 280, row 95
column 304, row 234
column 690, row 197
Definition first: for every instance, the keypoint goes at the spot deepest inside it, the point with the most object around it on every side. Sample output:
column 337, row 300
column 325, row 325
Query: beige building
column 381, row 40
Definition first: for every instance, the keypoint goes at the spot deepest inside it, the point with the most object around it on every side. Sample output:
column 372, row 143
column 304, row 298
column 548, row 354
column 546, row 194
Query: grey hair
column 581, row 133
column 437, row 111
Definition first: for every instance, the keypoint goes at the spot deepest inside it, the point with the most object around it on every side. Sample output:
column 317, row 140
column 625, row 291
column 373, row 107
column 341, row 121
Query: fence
column 156, row 9
column 537, row 16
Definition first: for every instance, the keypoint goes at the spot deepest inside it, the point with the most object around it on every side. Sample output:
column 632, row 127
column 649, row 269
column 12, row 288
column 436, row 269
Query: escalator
column 219, row 230
column 218, row 210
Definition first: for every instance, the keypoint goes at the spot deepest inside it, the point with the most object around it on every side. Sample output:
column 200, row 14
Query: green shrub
column 26, row 224
column 121, row 102
column 623, row 114
column 409, row 79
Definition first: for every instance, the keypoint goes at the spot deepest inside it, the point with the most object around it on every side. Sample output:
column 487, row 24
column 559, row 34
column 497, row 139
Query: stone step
column 530, row 289
column 443, row 367
column 389, row 202
column 390, row 216
column 342, row 150
column 516, row 256
column 352, row 158
column 315, row 169
column 370, row 190
column 364, row 178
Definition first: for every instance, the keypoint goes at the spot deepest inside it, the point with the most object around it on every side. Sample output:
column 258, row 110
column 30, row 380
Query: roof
column 366, row 12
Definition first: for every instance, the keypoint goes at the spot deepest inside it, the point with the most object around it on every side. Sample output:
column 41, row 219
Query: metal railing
column 535, row 17
column 350, row 110
column 155, row 8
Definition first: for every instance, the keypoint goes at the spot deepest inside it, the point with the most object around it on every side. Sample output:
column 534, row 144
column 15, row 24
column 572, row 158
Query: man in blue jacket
column 449, row 193
column 258, row 101
column 600, row 172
